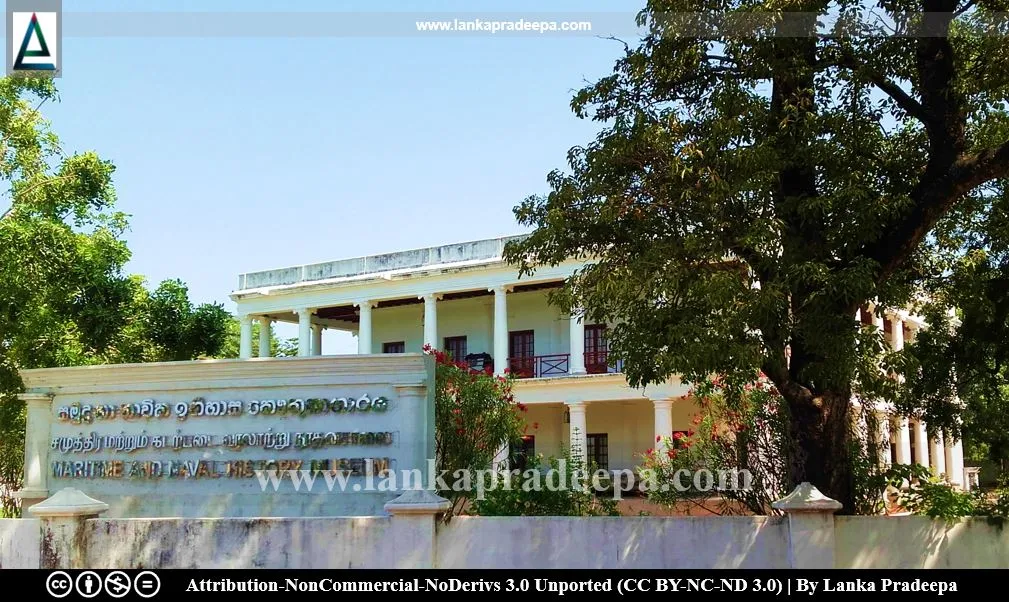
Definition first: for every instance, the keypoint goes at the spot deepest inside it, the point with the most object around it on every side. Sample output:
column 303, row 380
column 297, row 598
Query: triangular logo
column 33, row 28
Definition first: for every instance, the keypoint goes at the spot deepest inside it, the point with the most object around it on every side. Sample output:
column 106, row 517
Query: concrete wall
column 19, row 543
column 238, row 543
column 916, row 542
column 416, row 541
column 613, row 542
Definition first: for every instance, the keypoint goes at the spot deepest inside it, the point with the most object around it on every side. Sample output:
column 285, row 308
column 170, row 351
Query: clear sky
column 237, row 154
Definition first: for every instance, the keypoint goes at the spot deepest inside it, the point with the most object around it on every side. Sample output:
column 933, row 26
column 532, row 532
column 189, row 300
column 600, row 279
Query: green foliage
column 475, row 416
column 748, row 194
column 64, row 299
column 737, row 434
column 924, row 494
column 530, row 494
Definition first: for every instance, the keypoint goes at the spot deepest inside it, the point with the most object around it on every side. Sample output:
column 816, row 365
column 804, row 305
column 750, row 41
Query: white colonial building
column 464, row 299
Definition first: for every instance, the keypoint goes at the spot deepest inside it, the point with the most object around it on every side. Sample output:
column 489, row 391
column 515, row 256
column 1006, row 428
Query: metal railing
column 539, row 365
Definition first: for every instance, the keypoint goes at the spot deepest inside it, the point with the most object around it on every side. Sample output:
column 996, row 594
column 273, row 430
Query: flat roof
column 485, row 250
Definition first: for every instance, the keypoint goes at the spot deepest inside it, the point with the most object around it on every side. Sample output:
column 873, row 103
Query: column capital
column 502, row 288
column 68, row 502
column 362, row 303
column 664, row 403
column 431, row 296
column 576, row 404
column 264, row 319
column 418, row 501
column 806, row 498
column 243, row 318
column 36, row 398
column 306, row 310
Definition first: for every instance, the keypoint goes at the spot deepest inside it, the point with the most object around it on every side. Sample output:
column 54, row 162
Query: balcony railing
column 539, row 366
column 596, row 362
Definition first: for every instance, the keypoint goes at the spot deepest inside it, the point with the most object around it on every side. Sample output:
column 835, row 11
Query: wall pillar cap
column 68, row 502
column 806, row 498
column 418, row 501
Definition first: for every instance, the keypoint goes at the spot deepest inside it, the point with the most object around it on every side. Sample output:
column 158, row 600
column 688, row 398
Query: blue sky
column 239, row 154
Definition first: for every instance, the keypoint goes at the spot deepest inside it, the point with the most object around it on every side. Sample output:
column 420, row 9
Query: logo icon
column 34, row 41
column 88, row 584
column 147, row 584
column 59, row 584
column 117, row 584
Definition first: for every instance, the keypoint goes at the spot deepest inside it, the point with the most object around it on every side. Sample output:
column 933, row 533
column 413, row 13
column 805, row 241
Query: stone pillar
column 264, row 336
column 64, row 531
column 38, row 418
column 577, row 345
column 921, row 443
column 896, row 332
column 304, row 331
column 500, row 329
column 903, row 441
column 663, row 420
column 316, row 339
column 431, row 322
column 576, row 414
column 364, row 328
column 810, row 527
column 245, row 343
column 955, row 464
column 411, row 540
column 938, row 456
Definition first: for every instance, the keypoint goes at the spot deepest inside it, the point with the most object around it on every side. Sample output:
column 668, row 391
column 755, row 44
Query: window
column 521, row 353
column 525, row 454
column 455, row 347
column 598, row 451
column 396, row 347
column 595, row 349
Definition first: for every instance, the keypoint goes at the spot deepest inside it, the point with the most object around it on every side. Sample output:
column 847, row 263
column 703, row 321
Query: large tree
column 756, row 183
column 64, row 297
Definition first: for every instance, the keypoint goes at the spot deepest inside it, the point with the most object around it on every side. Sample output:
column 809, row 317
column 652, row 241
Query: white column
column 954, row 463
column 316, row 339
column 245, row 344
column 948, row 455
column 877, row 318
column 938, row 456
column 921, row 443
column 500, row 329
column 304, row 331
column 884, row 439
column 576, row 363
column 663, row 420
column 896, row 332
column 576, row 414
column 431, row 322
column 364, row 328
column 903, row 441
column 264, row 336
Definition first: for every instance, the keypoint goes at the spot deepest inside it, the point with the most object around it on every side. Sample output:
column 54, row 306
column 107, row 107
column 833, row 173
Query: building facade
column 464, row 299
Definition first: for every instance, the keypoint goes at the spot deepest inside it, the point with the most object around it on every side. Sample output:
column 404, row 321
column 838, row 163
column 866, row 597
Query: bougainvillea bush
column 731, row 460
column 475, row 417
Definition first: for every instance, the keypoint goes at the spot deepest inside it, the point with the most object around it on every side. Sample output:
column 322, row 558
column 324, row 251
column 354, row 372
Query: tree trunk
column 820, row 436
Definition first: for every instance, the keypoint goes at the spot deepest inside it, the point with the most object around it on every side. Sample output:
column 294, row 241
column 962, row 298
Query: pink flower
column 658, row 438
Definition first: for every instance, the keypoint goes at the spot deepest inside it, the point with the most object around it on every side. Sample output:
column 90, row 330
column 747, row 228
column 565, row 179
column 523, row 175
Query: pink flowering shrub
column 475, row 416
column 738, row 430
